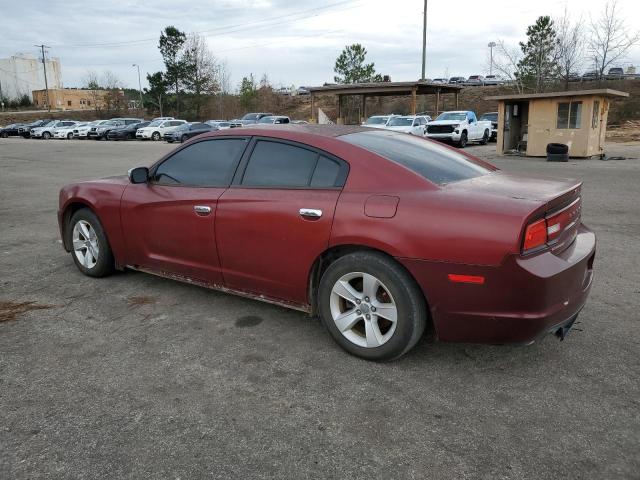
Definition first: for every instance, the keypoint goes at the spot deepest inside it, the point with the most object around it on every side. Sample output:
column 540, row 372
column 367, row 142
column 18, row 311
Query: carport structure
column 383, row 89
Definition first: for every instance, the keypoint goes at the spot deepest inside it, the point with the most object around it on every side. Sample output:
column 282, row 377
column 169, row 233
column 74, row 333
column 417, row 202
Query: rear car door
column 275, row 219
column 169, row 222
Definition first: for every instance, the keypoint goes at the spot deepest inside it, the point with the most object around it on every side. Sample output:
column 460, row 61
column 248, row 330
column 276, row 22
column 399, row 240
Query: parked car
column 162, row 118
column 157, row 128
column 590, row 75
column 474, row 81
column 102, row 131
column 377, row 121
column 493, row 118
column 274, row 120
column 302, row 91
column 493, row 80
column 440, row 81
column 66, row 132
column 186, row 131
column 304, row 218
column 300, row 122
column 251, row 118
column 126, row 132
column 413, row 124
column 459, row 127
column 25, row 130
column 615, row 73
column 82, row 132
column 219, row 124
column 46, row 131
column 456, row 80
column 12, row 130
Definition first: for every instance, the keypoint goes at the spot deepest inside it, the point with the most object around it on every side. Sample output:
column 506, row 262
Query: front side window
column 210, row 163
column 569, row 115
column 281, row 165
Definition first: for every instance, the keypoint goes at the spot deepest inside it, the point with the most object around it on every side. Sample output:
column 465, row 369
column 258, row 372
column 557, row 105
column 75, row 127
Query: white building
column 21, row 74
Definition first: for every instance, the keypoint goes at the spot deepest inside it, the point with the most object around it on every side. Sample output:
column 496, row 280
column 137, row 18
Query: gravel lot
column 134, row 376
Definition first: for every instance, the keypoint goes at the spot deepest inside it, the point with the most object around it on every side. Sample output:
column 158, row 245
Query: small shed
column 578, row 119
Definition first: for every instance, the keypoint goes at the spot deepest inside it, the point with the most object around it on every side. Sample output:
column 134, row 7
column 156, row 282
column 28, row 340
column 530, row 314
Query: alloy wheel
column 363, row 309
column 85, row 244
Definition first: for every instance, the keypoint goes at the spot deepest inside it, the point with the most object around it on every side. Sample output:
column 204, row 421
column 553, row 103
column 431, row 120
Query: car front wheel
column 89, row 246
column 463, row 140
column 371, row 306
column 155, row 136
column 46, row 135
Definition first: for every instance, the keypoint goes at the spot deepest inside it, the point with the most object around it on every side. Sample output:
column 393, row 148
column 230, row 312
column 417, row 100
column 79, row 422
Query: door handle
column 310, row 213
column 202, row 210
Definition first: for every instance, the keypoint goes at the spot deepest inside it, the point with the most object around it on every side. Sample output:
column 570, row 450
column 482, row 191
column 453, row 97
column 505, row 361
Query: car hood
column 400, row 128
column 446, row 122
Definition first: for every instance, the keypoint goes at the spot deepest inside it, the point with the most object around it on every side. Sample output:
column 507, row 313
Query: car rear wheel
column 485, row 138
column 46, row 135
column 155, row 136
column 463, row 140
column 183, row 139
column 89, row 246
column 4, row 134
column 69, row 136
column 371, row 306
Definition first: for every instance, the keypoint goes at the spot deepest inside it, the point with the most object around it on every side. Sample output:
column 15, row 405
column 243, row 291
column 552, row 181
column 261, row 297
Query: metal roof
column 603, row 92
column 386, row 88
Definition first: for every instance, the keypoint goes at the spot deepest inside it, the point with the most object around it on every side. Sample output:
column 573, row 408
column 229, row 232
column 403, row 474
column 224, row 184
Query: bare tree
column 505, row 62
column 90, row 82
column 570, row 47
column 201, row 69
column 113, row 97
column 610, row 39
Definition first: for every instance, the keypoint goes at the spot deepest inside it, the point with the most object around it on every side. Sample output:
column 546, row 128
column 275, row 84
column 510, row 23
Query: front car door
column 169, row 222
column 276, row 218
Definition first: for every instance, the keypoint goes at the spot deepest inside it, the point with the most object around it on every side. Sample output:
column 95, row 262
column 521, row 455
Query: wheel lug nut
column 368, row 317
column 358, row 301
column 359, row 312
column 373, row 309
column 366, row 299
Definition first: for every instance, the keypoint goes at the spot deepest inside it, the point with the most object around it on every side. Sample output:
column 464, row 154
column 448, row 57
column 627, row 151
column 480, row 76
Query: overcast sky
column 292, row 42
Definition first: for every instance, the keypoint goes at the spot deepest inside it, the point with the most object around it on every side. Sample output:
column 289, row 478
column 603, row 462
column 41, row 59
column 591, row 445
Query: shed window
column 595, row 117
column 569, row 115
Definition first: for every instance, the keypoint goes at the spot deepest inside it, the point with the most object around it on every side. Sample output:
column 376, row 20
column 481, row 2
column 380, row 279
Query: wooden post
column 413, row 101
column 437, row 102
column 339, row 119
column 313, row 110
column 456, row 95
column 363, row 111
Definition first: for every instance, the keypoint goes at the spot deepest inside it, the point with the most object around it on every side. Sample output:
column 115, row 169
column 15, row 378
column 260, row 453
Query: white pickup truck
column 459, row 127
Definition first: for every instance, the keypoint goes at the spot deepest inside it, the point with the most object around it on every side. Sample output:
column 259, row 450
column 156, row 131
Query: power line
column 220, row 30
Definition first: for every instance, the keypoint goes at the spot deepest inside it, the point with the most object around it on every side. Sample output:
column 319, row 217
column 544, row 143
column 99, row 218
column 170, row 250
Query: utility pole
column 491, row 45
column 424, row 41
column 46, row 85
column 139, row 86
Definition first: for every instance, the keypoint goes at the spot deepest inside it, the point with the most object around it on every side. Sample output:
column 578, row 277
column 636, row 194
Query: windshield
column 156, row 123
column 49, row 124
column 457, row 116
column 492, row 117
column 400, row 122
column 266, row 120
column 437, row 163
column 250, row 116
column 376, row 120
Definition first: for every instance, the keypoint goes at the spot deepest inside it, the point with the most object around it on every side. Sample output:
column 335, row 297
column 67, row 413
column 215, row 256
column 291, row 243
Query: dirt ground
column 134, row 376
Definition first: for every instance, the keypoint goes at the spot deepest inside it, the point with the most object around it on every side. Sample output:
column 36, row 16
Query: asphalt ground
column 134, row 376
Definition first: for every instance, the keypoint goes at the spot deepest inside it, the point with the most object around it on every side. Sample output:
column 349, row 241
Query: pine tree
column 538, row 64
column 351, row 68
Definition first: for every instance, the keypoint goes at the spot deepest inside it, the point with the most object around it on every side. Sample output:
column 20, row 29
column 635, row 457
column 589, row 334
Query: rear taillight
column 535, row 235
column 548, row 230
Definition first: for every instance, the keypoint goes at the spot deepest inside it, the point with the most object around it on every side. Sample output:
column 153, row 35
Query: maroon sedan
column 380, row 233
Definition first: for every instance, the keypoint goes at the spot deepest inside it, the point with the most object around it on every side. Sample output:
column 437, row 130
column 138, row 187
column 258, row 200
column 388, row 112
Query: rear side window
column 281, row 165
column 432, row 161
column 210, row 163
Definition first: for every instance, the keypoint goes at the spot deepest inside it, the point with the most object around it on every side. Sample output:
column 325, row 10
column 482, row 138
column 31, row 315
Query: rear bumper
column 520, row 300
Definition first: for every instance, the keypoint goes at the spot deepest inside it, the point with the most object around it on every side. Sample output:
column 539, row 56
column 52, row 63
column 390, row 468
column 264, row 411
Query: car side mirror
column 139, row 175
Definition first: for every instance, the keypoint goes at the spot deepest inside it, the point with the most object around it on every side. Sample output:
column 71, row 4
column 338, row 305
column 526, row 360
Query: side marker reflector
column 476, row 280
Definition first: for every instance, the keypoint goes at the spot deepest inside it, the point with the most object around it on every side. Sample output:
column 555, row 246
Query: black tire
column 4, row 134
column 463, row 140
column 69, row 136
column 485, row 137
column 183, row 139
column 155, row 136
column 46, row 135
column 105, row 263
column 557, row 148
column 410, row 304
column 131, row 136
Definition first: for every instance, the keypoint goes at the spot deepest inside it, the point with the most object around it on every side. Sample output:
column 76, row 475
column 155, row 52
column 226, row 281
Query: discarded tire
column 557, row 148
